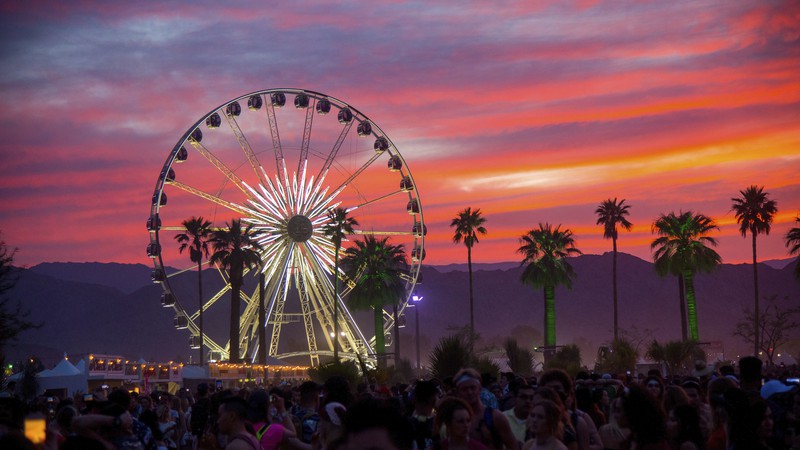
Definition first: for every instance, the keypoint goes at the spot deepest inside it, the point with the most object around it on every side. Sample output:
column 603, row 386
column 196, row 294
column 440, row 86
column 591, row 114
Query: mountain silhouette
column 115, row 308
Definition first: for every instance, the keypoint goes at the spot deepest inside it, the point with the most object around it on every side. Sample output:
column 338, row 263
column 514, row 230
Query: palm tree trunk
column 262, row 318
column 682, row 307
column 614, row 283
column 200, row 309
column 380, row 343
column 336, row 306
column 471, row 304
column 756, row 327
column 550, row 316
column 691, row 305
column 234, row 322
column 396, row 337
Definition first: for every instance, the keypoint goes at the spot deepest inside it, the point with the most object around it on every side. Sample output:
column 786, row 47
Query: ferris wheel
column 281, row 160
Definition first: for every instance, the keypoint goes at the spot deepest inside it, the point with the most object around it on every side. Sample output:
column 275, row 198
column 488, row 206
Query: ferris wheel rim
column 162, row 182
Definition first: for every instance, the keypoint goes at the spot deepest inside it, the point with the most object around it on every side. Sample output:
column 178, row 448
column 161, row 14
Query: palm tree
column 545, row 251
column 610, row 214
column 682, row 247
column 754, row 213
column 195, row 238
column 468, row 225
column 793, row 243
column 338, row 227
column 377, row 268
column 236, row 249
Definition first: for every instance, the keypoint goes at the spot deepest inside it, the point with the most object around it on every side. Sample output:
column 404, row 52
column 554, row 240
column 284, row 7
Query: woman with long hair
column 546, row 425
column 683, row 429
column 569, row 434
column 750, row 425
column 456, row 415
column 616, row 431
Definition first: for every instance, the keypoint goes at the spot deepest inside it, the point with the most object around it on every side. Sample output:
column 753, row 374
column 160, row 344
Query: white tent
column 63, row 376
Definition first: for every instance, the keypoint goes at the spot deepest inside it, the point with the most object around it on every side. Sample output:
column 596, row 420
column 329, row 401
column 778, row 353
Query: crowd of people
column 725, row 409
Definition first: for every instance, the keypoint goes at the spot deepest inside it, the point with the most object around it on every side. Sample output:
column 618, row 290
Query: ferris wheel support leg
column 309, row 327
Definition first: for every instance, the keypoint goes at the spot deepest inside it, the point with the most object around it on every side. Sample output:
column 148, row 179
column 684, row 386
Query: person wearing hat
column 773, row 387
column 702, row 370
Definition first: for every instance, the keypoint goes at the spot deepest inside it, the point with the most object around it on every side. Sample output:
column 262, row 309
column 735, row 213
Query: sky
column 531, row 111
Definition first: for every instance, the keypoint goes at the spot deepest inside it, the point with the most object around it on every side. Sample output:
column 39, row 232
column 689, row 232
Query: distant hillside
column 779, row 263
column 98, row 316
column 124, row 277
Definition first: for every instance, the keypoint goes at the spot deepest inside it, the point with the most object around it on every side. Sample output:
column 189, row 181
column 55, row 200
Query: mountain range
column 115, row 309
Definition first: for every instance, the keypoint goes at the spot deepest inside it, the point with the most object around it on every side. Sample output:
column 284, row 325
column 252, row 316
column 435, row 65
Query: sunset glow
column 531, row 111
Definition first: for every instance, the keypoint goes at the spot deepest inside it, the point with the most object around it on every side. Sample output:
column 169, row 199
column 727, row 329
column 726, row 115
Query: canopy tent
column 63, row 376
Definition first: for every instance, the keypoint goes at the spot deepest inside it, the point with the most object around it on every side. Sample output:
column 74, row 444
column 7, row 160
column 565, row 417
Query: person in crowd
column 587, row 435
column 305, row 412
column 455, row 416
column 523, row 403
column 271, row 435
column 584, row 402
column 655, row 385
column 569, row 434
column 673, row 397
column 167, row 427
column 602, row 400
column 683, row 428
column 331, row 430
column 779, row 399
column 546, row 426
column 750, row 423
column 423, row 416
column 646, row 420
column 792, row 425
column 122, row 398
column 750, row 374
column 198, row 422
column 616, row 431
column 337, row 389
column 489, row 426
column 718, row 434
column 488, row 397
column 376, row 424
column 113, row 428
column 697, row 398
column 232, row 421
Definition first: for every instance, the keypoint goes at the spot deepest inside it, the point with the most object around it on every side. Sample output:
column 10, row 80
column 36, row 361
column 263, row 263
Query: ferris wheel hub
column 300, row 228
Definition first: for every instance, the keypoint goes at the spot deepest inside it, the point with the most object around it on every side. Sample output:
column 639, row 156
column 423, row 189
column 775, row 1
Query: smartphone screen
column 35, row 430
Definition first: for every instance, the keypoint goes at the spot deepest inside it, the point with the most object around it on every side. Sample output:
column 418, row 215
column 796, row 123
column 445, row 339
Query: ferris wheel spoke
column 301, row 165
column 229, row 174
column 307, row 297
column 278, row 301
column 280, row 164
column 211, row 301
column 248, row 318
column 248, row 151
column 355, row 174
column 346, row 322
column 335, row 149
column 377, row 199
column 212, row 198
column 382, row 233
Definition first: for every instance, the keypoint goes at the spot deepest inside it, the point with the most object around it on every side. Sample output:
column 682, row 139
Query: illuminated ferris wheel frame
column 288, row 206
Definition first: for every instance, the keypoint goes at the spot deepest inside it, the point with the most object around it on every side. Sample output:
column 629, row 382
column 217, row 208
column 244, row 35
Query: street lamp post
column 417, row 298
